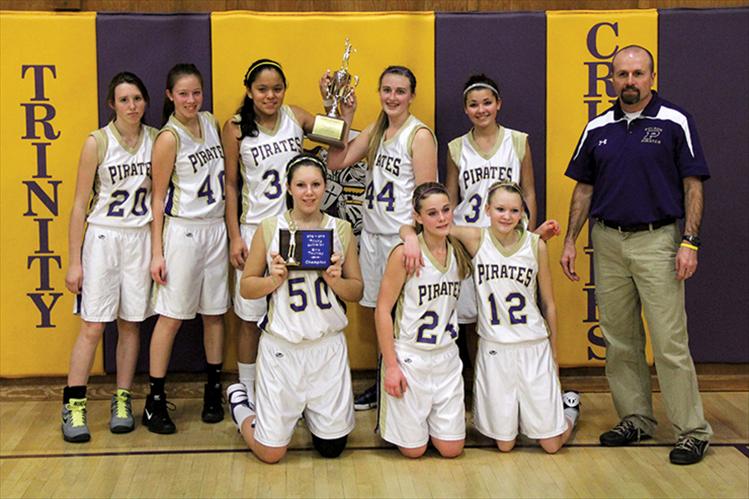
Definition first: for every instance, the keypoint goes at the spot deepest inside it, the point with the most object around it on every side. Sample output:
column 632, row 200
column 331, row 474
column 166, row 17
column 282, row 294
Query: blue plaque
column 310, row 249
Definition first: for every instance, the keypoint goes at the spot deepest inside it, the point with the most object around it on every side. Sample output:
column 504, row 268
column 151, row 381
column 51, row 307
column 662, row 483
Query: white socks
column 571, row 415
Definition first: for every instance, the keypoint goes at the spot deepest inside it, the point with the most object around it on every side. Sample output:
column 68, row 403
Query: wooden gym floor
column 203, row 460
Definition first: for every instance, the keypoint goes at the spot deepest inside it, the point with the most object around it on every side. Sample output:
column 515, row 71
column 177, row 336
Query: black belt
column 637, row 227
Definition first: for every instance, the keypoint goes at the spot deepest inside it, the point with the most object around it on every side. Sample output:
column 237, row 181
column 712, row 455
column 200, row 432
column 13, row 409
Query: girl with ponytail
column 402, row 154
column 259, row 140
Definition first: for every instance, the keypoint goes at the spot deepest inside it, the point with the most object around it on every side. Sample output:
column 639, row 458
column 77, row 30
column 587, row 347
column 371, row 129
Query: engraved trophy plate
column 307, row 249
column 331, row 129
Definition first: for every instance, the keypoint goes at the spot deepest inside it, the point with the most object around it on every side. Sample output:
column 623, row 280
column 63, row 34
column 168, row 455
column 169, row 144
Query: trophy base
column 327, row 130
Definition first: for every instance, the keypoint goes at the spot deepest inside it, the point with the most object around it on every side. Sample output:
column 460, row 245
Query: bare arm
column 686, row 258
column 528, row 186
column 424, row 157
column 230, row 142
column 470, row 237
column 87, row 165
column 162, row 165
column 392, row 283
column 579, row 211
column 548, row 308
column 255, row 284
column 305, row 119
column 345, row 279
column 353, row 150
column 452, row 181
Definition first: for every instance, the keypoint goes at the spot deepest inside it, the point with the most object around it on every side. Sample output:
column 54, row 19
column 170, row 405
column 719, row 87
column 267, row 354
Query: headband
column 505, row 183
column 433, row 187
column 307, row 158
column 480, row 85
column 260, row 64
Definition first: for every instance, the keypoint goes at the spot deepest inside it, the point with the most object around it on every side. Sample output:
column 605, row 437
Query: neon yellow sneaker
column 74, row 427
column 122, row 420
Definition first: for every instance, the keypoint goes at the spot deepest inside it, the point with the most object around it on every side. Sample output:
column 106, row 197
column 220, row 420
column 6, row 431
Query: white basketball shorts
column 516, row 385
column 247, row 310
column 197, row 267
column 433, row 403
column 311, row 378
column 374, row 250
column 116, row 274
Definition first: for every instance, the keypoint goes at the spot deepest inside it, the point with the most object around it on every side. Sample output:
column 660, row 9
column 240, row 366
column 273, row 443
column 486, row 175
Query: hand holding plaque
column 331, row 129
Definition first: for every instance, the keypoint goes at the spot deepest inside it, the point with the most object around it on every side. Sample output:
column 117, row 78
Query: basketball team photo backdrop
column 552, row 69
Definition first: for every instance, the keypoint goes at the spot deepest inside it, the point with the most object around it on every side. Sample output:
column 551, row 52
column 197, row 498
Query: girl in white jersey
column 302, row 362
column 258, row 142
column 190, row 261
column 486, row 154
column 516, row 380
column 421, row 372
column 402, row 153
column 110, row 269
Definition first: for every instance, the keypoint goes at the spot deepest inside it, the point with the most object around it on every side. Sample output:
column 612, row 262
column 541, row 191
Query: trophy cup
column 330, row 129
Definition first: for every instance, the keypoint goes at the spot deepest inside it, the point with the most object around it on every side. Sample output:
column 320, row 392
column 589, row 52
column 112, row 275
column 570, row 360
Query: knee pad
column 329, row 448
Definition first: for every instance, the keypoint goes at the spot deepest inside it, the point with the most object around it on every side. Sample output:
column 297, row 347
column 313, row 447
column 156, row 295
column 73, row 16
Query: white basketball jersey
column 478, row 171
column 196, row 189
column 262, row 164
column 505, row 281
column 426, row 316
column 122, row 185
column 304, row 307
column 391, row 183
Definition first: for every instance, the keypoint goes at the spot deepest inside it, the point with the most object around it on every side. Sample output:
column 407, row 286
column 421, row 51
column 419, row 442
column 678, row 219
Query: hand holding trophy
column 330, row 129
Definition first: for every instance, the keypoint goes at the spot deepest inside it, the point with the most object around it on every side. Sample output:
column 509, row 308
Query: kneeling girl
column 421, row 373
column 302, row 365
column 516, row 382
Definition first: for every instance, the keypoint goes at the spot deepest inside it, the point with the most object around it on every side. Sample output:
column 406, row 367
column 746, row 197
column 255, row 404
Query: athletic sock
column 73, row 392
column 247, row 378
column 242, row 412
column 571, row 414
column 214, row 374
column 156, row 385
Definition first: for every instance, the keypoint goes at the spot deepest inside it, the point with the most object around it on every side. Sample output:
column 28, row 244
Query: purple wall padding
column 149, row 45
column 510, row 49
column 704, row 67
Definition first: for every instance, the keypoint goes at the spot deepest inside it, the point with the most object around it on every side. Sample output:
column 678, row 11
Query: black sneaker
column 213, row 404
column 688, row 450
column 366, row 400
column 622, row 434
column 156, row 415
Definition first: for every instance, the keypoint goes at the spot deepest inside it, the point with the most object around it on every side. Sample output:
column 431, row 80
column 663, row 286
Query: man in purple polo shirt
column 639, row 167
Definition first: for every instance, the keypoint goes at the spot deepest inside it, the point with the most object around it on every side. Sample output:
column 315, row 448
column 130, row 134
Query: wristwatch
column 693, row 240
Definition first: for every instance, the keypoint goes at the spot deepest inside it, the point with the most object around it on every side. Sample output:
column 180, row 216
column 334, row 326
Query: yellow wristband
column 685, row 244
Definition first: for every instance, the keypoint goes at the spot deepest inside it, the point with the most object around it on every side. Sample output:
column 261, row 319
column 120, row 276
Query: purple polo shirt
column 637, row 168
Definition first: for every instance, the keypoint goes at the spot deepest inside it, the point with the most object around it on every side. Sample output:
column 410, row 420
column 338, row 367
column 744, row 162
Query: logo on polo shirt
column 602, row 142
column 651, row 135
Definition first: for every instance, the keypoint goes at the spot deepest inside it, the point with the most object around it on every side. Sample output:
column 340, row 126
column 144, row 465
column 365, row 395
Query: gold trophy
column 290, row 254
column 330, row 129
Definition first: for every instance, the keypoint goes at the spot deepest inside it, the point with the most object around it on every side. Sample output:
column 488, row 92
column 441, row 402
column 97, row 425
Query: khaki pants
column 636, row 271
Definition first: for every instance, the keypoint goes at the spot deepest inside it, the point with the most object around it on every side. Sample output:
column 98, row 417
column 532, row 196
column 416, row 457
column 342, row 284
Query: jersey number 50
column 321, row 294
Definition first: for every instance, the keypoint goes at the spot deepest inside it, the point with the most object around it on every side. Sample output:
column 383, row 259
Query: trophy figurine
column 290, row 260
column 330, row 129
